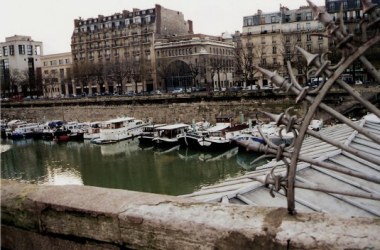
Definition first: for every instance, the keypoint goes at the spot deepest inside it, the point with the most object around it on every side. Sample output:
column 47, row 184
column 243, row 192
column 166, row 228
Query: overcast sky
column 52, row 21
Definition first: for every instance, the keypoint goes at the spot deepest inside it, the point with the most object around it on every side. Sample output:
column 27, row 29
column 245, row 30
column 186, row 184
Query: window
column 357, row 3
column 5, row 50
column 21, row 49
column 67, row 61
column 287, row 38
column 308, row 37
column 45, row 63
column 357, row 14
column 344, row 5
column 308, row 16
column 274, row 61
column 263, row 61
column 299, row 70
column 274, row 50
column 60, row 61
column 298, row 37
column 298, row 26
column 309, row 47
column 308, row 26
column 11, row 50
column 273, row 19
column 61, row 73
column 29, row 49
column 332, row 6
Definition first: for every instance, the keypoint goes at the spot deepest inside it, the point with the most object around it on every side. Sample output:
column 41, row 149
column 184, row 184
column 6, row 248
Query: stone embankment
column 159, row 113
column 83, row 217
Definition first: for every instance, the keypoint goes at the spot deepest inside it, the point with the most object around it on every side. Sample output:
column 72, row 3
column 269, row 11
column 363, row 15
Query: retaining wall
column 160, row 113
column 83, row 217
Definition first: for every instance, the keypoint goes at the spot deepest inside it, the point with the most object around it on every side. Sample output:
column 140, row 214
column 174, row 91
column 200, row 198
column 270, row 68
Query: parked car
column 156, row 92
column 178, row 91
column 357, row 82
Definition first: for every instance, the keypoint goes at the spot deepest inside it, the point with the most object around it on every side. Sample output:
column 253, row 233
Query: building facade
column 353, row 16
column 195, row 61
column 57, row 78
column 269, row 40
column 20, row 56
column 116, row 53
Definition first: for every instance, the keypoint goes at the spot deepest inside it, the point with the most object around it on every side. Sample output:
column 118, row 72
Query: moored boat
column 93, row 131
column 119, row 129
column 271, row 131
column 215, row 138
column 149, row 133
column 168, row 136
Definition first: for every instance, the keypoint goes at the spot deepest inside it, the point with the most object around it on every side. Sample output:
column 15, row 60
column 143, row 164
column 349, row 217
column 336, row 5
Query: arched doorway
column 178, row 76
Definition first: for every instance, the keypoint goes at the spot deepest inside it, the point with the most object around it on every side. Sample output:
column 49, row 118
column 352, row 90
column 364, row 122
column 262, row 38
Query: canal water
column 122, row 165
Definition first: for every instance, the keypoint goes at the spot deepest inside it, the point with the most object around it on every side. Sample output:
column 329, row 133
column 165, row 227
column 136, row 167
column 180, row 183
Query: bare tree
column 218, row 64
column 16, row 78
column 50, row 80
column 119, row 71
column 163, row 70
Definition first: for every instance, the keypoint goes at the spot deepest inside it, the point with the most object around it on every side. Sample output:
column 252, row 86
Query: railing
column 320, row 66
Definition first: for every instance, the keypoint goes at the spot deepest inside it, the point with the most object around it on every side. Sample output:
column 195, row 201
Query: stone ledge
column 107, row 218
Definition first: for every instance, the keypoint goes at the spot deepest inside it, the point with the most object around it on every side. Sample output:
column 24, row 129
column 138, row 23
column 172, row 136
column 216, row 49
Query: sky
column 52, row 21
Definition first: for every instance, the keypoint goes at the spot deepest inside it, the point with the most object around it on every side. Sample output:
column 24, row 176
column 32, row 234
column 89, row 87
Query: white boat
column 76, row 130
column 28, row 130
column 215, row 138
column 270, row 130
column 93, row 132
column 119, row 129
column 12, row 125
column 168, row 136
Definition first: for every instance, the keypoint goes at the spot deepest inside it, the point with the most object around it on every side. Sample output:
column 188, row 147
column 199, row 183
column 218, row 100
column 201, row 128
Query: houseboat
column 169, row 135
column 149, row 133
column 119, row 129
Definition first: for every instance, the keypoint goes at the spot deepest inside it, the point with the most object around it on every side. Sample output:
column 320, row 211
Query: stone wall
column 84, row 217
column 160, row 113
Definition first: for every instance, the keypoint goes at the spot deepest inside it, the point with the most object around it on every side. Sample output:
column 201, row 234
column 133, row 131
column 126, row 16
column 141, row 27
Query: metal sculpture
column 322, row 67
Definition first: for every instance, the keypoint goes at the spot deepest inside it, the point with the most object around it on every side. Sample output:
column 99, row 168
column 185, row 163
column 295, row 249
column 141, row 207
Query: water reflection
column 123, row 165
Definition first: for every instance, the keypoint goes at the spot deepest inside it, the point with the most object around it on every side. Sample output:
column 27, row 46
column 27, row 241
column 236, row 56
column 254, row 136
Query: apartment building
column 126, row 40
column 19, row 58
column 270, row 39
column 195, row 61
column 56, row 71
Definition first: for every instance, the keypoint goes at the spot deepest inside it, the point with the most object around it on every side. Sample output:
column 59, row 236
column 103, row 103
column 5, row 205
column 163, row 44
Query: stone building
column 270, row 39
column 19, row 58
column 116, row 53
column 56, row 73
column 195, row 61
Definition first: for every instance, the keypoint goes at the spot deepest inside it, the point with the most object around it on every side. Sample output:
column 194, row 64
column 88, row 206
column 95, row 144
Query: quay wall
column 159, row 113
column 84, row 217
